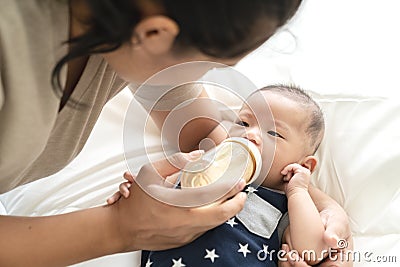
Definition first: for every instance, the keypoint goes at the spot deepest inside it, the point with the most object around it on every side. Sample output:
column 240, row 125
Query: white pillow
column 359, row 160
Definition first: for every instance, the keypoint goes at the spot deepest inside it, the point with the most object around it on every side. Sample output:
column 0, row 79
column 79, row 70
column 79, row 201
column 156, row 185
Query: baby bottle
column 234, row 158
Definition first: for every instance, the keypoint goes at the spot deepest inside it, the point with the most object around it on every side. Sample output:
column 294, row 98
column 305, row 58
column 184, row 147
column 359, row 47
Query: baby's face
column 281, row 125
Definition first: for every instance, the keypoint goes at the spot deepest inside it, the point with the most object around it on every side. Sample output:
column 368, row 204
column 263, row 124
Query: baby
column 254, row 236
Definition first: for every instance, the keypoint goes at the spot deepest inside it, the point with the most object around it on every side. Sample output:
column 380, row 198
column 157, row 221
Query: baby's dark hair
column 316, row 127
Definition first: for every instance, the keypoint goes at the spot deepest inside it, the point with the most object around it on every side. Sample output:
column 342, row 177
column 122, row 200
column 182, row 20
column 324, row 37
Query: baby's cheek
column 274, row 180
column 236, row 131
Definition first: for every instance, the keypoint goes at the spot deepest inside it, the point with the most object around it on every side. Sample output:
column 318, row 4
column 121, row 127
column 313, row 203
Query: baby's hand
column 123, row 189
column 296, row 177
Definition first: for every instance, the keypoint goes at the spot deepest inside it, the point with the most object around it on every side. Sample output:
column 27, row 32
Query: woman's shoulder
column 33, row 30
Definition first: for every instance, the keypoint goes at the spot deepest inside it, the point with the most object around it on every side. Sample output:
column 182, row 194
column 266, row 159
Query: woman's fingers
column 337, row 226
column 337, row 236
column 175, row 162
column 223, row 210
column 229, row 208
column 160, row 226
column 290, row 258
column 341, row 257
column 199, row 196
column 172, row 217
column 172, row 180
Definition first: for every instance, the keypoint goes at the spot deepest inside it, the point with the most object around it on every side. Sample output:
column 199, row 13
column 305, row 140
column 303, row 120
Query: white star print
column 178, row 263
column 148, row 263
column 211, row 255
column 243, row 249
column 251, row 189
column 232, row 222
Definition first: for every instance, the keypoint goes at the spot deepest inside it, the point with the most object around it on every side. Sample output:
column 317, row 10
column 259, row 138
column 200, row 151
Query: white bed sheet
column 346, row 53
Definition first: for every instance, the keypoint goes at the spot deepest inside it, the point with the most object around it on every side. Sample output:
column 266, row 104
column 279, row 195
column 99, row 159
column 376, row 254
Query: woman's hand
column 337, row 226
column 142, row 222
column 291, row 259
column 338, row 236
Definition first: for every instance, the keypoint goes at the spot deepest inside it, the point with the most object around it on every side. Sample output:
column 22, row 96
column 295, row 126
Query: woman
column 111, row 42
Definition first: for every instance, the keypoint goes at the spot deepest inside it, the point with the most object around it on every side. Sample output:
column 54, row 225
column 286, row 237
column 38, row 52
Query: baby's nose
column 253, row 136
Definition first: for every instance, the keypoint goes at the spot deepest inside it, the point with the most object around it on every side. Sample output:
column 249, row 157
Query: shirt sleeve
column 2, row 97
column 1, row 94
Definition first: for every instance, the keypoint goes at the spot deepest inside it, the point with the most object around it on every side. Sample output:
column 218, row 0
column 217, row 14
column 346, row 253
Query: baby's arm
column 306, row 231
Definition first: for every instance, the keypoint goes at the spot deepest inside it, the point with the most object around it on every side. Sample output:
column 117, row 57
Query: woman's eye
column 275, row 134
column 242, row 123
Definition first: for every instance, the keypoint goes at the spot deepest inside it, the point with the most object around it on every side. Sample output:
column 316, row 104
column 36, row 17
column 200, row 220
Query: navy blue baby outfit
column 241, row 241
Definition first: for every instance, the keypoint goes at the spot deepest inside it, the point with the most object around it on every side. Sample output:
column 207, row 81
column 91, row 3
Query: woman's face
column 152, row 48
column 137, row 64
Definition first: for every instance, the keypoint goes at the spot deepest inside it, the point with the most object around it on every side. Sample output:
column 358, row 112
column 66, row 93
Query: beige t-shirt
column 36, row 140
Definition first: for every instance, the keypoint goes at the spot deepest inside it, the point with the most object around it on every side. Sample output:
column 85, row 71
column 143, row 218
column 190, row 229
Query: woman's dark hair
column 219, row 28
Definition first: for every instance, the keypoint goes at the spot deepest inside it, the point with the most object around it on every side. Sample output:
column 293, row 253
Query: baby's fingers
column 288, row 172
column 114, row 198
column 287, row 177
column 295, row 168
column 124, row 189
column 290, row 168
column 129, row 177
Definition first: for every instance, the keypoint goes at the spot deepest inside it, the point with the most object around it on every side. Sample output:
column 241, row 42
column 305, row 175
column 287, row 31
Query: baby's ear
column 310, row 162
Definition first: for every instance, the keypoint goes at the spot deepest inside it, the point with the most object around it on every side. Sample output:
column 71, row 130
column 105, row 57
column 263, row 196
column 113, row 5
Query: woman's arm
column 334, row 218
column 189, row 124
column 58, row 240
column 138, row 222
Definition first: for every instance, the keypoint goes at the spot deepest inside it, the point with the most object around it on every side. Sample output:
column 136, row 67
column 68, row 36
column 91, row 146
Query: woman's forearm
column 321, row 199
column 137, row 222
column 57, row 240
column 191, row 123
